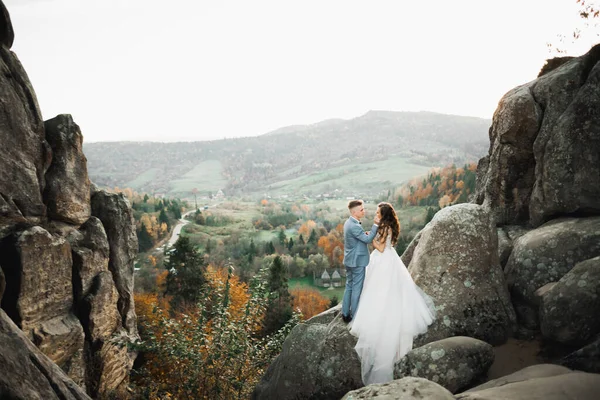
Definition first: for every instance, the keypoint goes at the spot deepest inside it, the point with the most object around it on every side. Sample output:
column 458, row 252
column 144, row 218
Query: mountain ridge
column 298, row 159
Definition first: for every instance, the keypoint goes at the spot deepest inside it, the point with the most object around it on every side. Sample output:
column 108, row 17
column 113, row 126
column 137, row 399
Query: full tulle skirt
column 391, row 312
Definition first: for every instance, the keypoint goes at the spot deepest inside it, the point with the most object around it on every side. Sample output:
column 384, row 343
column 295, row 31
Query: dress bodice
column 388, row 241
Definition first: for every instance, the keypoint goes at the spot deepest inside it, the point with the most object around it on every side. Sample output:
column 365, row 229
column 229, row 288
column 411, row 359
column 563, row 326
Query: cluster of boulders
column 522, row 259
column 66, row 255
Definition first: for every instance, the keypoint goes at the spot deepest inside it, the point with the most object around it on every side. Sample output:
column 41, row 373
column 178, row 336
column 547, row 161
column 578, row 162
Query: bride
column 392, row 310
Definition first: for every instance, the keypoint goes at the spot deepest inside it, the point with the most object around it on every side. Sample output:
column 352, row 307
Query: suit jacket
column 356, row 251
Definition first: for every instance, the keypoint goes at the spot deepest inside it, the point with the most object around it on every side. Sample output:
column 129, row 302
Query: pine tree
column 186, row 276
column 282, row 237
column 313, row 237
column 430, row 213
column 144, row 239
column 251, row 251
column 290, row 244
column 279, row 309
column 162, row 218
column 146, row 198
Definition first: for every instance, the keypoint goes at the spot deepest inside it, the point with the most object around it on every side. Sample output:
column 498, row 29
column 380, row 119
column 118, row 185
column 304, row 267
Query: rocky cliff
column 66, row 255
column 523, row 258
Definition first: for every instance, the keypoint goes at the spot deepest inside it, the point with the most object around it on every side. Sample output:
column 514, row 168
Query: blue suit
column 356, row 258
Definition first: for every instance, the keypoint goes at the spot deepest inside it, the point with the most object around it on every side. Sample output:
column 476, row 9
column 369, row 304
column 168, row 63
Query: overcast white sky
column 199, row 70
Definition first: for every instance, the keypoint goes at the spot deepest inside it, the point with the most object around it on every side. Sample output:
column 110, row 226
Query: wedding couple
column 390, row 310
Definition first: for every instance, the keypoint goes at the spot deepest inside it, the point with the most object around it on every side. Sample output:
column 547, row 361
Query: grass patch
column 143, row 178
column 358, row 177
column 206, row 177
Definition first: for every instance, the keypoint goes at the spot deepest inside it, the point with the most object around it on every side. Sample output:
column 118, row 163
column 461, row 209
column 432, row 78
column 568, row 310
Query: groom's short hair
column 354, row 203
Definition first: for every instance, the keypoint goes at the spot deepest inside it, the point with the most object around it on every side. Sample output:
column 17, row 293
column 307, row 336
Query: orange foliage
column 238, row 290
column 329, row 243
column 446, row 184
column 309, row 301
column 306, row 228
column 161, row 280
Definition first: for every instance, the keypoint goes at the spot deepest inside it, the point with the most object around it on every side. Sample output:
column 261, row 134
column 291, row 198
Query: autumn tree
column 213, row 351
column 309, row 301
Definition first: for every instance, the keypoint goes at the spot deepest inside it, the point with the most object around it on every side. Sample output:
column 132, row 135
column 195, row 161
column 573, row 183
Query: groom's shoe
column 346, row 318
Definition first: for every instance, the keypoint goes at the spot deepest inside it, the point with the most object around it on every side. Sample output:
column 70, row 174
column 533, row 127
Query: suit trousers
column 355, row 277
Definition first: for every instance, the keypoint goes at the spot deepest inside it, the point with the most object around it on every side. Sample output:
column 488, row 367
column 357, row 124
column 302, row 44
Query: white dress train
column 391, row 312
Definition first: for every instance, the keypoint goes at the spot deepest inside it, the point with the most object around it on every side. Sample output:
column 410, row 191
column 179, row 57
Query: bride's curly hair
column 389, row 219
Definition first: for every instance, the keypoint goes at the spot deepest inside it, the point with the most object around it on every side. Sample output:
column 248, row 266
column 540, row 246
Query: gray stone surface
column 585, row 359
column 534, row 371
column 28, row 374
column 544, row 158
column 117, row 218
column 402, row 389
column 67, row 191
column 317, row 361
column 453, row 363
column 569, row 310
column 545, row 255
column 573, row 385
column 455, row 261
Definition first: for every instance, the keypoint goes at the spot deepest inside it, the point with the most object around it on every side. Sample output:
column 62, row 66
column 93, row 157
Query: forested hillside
column 367, row 154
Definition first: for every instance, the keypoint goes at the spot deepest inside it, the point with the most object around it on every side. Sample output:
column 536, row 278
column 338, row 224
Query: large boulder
column 454, row 259
column 317, row 361
column 544, row 158
column 67, row 192
column 569, row 310
column 454, row 363
column 409, row 388
column 545, row 255
column 27, row 373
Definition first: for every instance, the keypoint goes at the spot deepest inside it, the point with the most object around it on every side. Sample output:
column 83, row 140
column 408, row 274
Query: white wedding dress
column 391, row 312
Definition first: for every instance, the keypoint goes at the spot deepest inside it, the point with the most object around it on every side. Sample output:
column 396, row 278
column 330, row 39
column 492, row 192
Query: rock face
column 67, row 192
column 454, row 259
column 117, row 217
column 66, row 277
column 26, row 372
column 453, row 363
column 544, row 158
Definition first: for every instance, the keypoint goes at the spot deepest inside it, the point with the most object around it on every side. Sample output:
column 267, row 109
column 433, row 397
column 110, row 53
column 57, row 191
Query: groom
column 356, row 257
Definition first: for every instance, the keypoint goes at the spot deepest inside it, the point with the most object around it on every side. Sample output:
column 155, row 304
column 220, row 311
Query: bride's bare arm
column 379, row 243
